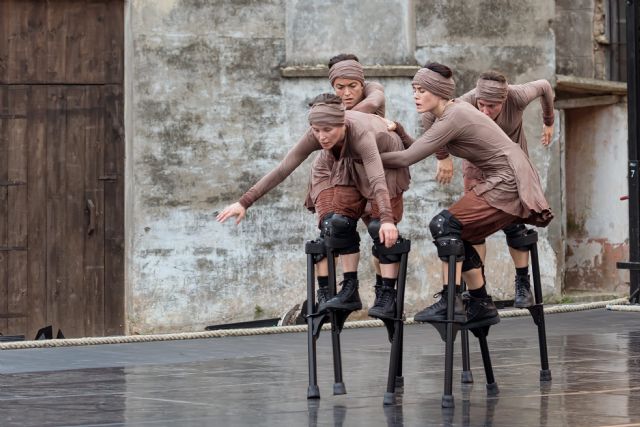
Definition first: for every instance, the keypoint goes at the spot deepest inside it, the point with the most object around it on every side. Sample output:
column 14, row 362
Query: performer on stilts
column 354, row 140
column 509, row 191
column 346, row 76
column 505, row 104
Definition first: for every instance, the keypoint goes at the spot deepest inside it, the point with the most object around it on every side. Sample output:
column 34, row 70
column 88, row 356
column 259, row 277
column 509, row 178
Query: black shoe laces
column 385, row 298
column 347, row 286
column 521, row 290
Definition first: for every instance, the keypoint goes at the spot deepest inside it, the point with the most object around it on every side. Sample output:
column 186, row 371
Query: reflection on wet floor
column 262, row 380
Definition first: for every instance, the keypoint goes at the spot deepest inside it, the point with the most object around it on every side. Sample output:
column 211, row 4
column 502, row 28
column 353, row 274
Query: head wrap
column 436, row 83
column 327, row 114
column 347, row 69
column 491, row 90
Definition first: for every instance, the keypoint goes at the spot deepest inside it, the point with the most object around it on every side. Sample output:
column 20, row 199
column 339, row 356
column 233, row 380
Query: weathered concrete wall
column 208, row 114
column 573, row 29
column 583, row 45
column 597, row 221
column 381, row 32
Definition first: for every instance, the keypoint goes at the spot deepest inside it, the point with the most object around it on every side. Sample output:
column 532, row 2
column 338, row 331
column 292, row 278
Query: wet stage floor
column 262, row 380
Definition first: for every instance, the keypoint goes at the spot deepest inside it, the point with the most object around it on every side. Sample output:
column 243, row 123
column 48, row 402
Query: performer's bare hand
column 388, row 234
column 547, row 135
column 235, row 209
column 444, row 172
column 391, row 126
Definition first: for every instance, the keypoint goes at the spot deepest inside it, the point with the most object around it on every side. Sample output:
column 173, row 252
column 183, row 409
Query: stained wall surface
column 208, row 112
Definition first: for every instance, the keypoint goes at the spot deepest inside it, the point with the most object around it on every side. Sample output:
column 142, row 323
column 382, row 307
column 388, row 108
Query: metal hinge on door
column 108, row 178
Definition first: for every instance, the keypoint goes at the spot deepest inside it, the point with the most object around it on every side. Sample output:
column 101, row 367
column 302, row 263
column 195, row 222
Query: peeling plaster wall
column 208, row 114
column 596, row 176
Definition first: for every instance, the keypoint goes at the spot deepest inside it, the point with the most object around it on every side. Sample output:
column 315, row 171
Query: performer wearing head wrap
column 508, row 192
column 354, row 140
column 505, row 104
column 346, row 75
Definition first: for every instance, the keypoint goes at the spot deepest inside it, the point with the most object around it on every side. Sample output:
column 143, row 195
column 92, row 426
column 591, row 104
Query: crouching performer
column 353, row 139
column 508, row 191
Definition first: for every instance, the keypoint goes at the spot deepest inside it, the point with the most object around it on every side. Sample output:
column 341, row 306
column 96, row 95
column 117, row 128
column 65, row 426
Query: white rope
column 70, row 342
column 623, row 307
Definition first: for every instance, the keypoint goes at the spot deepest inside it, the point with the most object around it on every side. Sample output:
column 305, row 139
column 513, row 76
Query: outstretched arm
column 438, row 135
column 526, row 93
column 298, row 153
column 444, row 166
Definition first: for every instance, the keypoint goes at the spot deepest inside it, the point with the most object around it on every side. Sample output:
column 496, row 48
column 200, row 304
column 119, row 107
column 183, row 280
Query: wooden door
column 61, row 167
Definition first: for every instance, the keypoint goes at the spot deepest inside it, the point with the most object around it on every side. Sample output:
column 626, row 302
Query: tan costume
column 515, row 100
column 357, row 164
column 509, row 182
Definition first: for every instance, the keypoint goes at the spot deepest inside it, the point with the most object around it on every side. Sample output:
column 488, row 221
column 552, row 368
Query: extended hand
column 388, row 234
column 235, row 209
column 444, row 172
column 547, row 135
column 391, row 126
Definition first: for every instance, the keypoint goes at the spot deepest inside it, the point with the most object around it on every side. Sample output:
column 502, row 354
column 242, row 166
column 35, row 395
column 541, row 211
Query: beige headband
column 491, row 90
column 347, row 69
column 327, row 114
column 435, row 83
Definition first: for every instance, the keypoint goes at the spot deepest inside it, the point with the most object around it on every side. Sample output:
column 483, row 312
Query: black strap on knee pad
column 447, row 234
column 379, row 250
column 342, row 236
column 448, row 246
column 472, row 258
column 520, row 237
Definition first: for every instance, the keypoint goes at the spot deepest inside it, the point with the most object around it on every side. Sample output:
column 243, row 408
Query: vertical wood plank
column 94, row 192
column 37, row 203
column 4, row 212
column 27, row 42
column 94, row 43
column 114, row 34
column 75, row 17
column 17, row 225
column 5, row 14
column 56, row 207
column 76, row 219
column 56, row 41
column 114, row 210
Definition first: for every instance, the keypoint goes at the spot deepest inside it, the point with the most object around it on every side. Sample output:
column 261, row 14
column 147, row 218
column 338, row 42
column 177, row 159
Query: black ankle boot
column 384, row 306
column 481, row 310
column 347, row 299
column 524, row 297
column 437, row 312
column 322, row 295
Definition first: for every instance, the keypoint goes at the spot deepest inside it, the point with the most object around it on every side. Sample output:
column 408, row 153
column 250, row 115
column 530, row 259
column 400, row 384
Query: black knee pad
column 325, row 224
column 471, row 257
column 342, row 235
column 445, row 224
column 446, row 231
column 374, row 232
column 373, row 229
column 515, row 232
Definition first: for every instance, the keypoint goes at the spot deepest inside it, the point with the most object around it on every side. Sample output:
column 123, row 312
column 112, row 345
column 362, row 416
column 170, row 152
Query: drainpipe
column 633, row 99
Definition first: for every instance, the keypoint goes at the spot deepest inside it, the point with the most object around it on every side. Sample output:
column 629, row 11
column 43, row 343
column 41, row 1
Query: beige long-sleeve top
column 373, row 101
column 320, row 179
column 509, row 183
column 366, row 134
column 510, row 118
